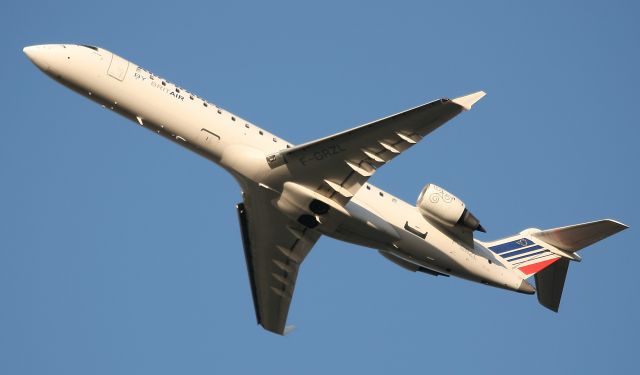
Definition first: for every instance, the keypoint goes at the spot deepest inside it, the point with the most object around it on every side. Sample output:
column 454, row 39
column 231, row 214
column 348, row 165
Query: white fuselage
column 375, row 218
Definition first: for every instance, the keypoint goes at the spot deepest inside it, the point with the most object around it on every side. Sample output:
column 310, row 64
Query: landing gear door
column 118, row 67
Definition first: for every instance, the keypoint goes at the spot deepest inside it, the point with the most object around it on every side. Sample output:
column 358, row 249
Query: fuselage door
column 208, row 137
column 118, row 67
column 414, row 227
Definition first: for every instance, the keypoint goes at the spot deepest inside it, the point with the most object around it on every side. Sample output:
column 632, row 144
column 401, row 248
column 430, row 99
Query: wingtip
column 468, row 101
column 288, row 329
column 619, row 224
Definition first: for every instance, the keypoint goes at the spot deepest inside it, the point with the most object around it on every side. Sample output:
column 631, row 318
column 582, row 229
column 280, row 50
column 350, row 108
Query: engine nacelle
column 438, row 204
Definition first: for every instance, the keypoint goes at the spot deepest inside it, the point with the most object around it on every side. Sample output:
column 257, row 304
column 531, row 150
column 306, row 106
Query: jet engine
column 435, row 203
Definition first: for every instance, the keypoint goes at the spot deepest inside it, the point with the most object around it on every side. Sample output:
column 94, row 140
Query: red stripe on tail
column 537, row 267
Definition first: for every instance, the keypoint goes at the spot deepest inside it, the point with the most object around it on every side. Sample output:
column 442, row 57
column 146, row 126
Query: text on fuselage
column 159, row 86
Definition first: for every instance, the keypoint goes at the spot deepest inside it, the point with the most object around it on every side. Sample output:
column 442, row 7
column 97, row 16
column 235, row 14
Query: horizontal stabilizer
column 579, row 236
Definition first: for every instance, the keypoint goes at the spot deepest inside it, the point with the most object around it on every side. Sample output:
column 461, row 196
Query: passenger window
column 164, row 83
column 233, row 118
column 261, row 133
column 274, row 139
column 205, row 104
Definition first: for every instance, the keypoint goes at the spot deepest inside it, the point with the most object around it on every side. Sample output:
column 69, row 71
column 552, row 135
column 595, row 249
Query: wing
column 338, row 165
column 274, row 248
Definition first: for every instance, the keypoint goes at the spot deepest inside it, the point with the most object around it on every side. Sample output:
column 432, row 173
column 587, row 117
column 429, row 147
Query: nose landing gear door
column 118, row 67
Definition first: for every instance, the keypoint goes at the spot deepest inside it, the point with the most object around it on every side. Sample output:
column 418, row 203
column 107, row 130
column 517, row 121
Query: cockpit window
column 90, row 47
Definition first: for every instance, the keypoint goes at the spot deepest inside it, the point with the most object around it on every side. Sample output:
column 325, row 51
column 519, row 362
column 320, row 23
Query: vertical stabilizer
column 550, row 283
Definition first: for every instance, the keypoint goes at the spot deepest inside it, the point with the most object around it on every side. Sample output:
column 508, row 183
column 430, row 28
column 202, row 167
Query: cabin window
column 233, row 118
column 381, row 194
column 177, row 90
column 288, row 146
column 191, row 97
column 246, row 126
column 368, row 187
column 261, row 132
column 274, row 139
column 219, row 112
column 164, row 83
column 205, row 104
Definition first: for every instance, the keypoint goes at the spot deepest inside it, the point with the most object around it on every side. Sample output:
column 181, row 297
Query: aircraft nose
column 30, row 51
column 38, row 55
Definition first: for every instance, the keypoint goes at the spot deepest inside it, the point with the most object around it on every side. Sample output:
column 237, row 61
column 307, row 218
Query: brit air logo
column 162, row 86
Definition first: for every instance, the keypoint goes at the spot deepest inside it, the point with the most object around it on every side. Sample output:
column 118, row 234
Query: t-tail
column 545, row 254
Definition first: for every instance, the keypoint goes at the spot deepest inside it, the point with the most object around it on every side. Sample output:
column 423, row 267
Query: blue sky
column 121, row 253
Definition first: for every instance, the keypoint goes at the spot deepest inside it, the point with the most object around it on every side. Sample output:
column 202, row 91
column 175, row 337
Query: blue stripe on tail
column 526, row 249
column 513, row 245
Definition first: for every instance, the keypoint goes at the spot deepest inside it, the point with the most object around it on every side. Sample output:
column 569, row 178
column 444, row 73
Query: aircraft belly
column 426, row 245
column 368, row 223
column 446, row 256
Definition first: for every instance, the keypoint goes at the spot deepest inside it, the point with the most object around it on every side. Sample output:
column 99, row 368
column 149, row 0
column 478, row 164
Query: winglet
column 468, row 101
column 288, row 329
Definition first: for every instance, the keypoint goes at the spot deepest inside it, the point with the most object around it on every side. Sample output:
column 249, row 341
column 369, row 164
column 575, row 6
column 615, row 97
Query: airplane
column 293, row 194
